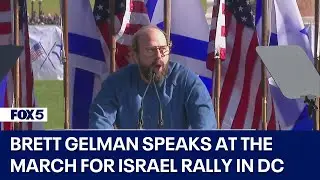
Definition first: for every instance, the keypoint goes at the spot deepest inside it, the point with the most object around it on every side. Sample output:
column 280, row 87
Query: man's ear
column 130, row 58
column 133, row 56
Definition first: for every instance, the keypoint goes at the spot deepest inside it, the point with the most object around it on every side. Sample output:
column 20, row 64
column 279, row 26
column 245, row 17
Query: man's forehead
column 149, row 29
column 152, row 34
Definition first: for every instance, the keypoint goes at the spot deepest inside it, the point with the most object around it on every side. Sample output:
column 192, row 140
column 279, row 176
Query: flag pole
column 217, row 88
column 316, row 60
column 17, row 98
column 167, row 18
column 66, row 64
column 217, row 68
column 112, row 40
column 112, row 37
column 265, row 42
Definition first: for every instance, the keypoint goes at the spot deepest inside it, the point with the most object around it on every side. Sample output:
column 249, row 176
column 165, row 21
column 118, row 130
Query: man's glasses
column 152, row 51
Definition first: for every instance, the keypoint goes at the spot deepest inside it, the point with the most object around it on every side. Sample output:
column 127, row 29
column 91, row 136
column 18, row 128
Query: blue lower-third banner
column 159, row 154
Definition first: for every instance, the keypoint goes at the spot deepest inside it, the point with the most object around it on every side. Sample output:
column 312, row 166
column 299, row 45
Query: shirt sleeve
column 103, row 110
column 199, row 106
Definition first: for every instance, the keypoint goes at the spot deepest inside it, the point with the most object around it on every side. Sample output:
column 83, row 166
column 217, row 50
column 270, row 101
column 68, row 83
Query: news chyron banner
column 23, row 114
column 153, row 154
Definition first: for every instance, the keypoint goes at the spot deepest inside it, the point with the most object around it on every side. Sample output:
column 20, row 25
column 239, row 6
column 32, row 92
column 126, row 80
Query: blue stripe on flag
column 207, row 82
column 258, row 10
column 161, row 25
column 151, row 6
column 304, row 31
column 304, row 122
column 188, row 47
column 273, row 39
column 82, row 48
column 82, row 98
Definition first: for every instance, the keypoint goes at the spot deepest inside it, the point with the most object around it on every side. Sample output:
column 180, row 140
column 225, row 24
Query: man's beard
column 148, row 71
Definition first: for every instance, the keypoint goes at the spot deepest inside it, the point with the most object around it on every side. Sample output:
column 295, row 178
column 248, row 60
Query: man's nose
column 158, row 52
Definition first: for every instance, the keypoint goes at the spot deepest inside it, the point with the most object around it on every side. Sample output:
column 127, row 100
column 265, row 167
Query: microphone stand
column 140, row 121
column 160, row 121
column 312, row 107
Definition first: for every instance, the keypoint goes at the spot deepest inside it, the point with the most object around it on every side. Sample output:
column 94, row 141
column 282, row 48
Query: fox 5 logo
column 24, row 114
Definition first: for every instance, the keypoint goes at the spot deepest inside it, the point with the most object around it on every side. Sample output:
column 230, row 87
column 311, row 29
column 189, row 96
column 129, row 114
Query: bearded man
column 153, row 93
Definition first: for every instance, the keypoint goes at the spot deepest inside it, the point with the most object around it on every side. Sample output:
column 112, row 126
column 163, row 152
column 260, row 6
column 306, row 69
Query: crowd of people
column 44, row 19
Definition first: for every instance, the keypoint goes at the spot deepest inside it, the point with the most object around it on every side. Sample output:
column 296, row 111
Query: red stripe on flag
column 5, row 5
column 272, row 122
column 210, row 61
column 223, row 31
column 232, row 72
column 7, row 126
column 120, row 16
column 228, row 22
column 104, row 29
column 212, row 35
column 223, row 8
column 138, row 7
column 5, row 27
column 222, row 53
column 257, row 109
column 28, row 69
column 238, row 122
column 122, row 52
column 215, row 11
column 131, row 29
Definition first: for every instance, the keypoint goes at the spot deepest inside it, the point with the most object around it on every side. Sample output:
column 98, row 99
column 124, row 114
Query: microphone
column 140, row 121
column 160, row 121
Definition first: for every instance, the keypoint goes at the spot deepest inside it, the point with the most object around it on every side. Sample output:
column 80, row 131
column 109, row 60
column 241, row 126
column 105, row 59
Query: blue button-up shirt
column 186, row 102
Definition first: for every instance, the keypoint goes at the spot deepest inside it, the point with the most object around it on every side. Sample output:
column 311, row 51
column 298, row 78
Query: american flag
column 26, row 74
column 36, row 51
column 5, row 39
column 241, row 92
column 217, row 37
column 131, row 15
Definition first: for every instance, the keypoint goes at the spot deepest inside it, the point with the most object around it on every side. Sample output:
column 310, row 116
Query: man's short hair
column 136, row 36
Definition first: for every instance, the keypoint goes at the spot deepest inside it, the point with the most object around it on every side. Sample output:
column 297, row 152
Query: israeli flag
column 287, row 28
column 88, row 67
column 189, row 34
